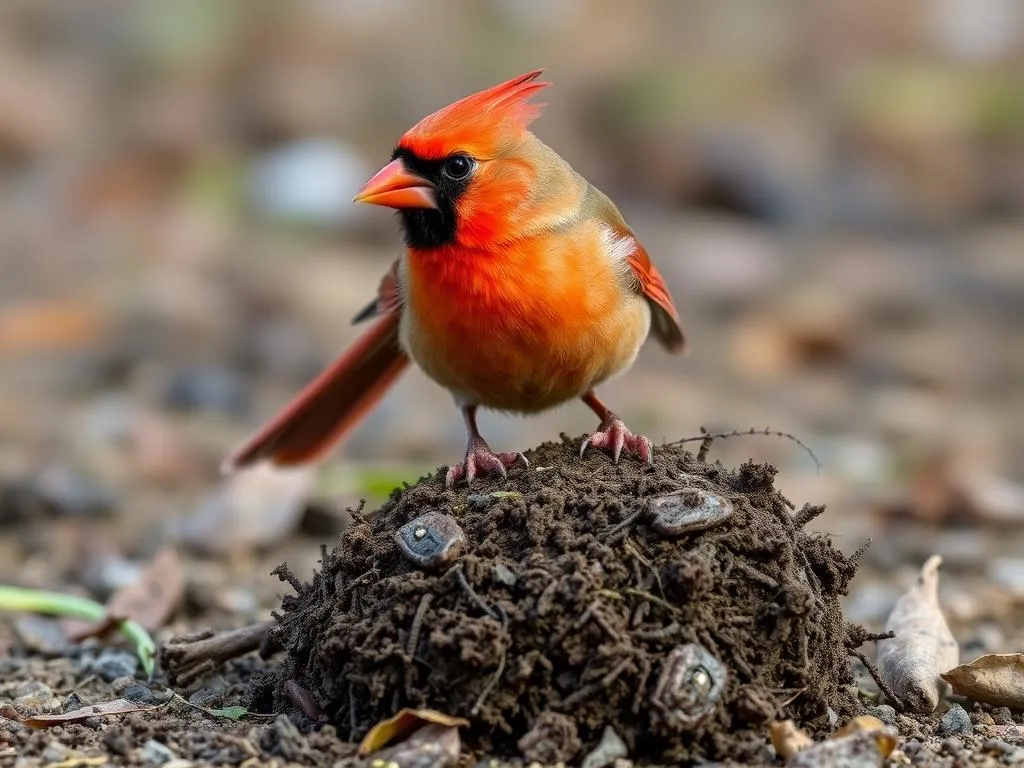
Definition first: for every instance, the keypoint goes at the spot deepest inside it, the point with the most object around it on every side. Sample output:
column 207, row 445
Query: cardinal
column 521, row 287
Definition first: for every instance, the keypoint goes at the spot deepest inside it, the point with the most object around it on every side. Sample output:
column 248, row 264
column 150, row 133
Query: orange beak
column 396, row 187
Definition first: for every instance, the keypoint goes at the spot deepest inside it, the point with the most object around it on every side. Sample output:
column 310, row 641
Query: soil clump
column 683, row 604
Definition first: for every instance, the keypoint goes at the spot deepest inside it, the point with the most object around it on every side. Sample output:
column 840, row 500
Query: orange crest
column 480, row 123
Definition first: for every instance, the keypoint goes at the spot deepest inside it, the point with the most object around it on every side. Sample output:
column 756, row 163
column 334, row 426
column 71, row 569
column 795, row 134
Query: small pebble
column 912, row 747
column 1002, row 716
column 35, row 697
column 982, row 718
column 155, row 753
column 952, row 746
column 505, row 575
column 73, row 704
column 997, row 745
column 955, row 721
column 885, row 713
column 111, row 664
column 611, row 748
column 121, row 684
column 139, row 693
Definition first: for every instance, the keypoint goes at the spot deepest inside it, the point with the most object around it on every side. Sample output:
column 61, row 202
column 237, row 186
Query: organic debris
column 150, row 600
column 103, row 709
column 404, row 723
column 997, row 679
column 911, row 662
column 788, row 739
column 568, row 610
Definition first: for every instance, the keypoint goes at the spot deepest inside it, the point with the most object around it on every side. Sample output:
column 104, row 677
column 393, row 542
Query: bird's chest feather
column 521, row 330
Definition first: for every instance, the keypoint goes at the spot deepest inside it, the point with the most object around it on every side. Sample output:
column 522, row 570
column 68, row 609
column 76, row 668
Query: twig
column 799, row 692
column 610, row 532
column 414, row 638
column 417, row 624
column 500, row 670
column 766, row 432
column 470, row 592
column 807, row 513
column 705, row 445
column 652, row 598
column 640, row 558
column 187, row 659
column 589, row 690
column 877, row 677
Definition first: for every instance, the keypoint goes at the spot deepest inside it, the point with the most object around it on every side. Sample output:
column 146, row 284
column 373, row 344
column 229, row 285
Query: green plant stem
column 72, row 606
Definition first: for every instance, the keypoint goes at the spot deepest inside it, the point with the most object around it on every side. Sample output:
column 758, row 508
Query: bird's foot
column 480, row 459
column 614, row 436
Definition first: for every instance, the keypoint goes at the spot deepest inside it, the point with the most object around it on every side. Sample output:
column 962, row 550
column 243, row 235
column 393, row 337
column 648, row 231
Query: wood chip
column 923, row 646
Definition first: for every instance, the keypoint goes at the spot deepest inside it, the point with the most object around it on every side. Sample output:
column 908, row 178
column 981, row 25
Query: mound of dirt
column 683, row 604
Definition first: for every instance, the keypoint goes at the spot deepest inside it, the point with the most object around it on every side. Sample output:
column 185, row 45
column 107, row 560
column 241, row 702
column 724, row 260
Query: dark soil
column 563, row 611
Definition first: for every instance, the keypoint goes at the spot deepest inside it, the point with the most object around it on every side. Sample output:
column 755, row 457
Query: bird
column 521, row 287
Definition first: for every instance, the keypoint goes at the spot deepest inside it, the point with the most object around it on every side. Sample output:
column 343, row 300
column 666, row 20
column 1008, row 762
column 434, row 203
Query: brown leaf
column 923, row 646
column 788, row 739
column 153, row 598
column 150, row 600
column 996, row 678
column 402, row 724
column 103, row 709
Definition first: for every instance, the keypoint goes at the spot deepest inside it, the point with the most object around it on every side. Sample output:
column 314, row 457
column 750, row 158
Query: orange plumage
column 521, row 287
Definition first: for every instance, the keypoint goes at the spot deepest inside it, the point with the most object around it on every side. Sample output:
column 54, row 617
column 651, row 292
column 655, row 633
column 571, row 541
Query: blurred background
column 834, row 192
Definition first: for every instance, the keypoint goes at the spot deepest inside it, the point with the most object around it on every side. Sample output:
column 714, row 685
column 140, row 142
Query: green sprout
column 72, row 606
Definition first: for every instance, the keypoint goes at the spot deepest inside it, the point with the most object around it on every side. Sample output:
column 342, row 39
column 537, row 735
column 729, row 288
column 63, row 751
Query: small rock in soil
column 139, row 693
column 610, row 749
column 35, row 697
column 155, row 753
column 885, row 713
column 859, row 750
column 955, row 721
column 110, row 664
column 1002, row 716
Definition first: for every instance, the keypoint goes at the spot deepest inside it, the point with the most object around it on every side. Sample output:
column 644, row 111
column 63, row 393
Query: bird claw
column 480, row 459
column 614, row 436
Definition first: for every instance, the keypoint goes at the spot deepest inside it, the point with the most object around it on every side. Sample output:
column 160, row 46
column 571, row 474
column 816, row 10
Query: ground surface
column 576, row 601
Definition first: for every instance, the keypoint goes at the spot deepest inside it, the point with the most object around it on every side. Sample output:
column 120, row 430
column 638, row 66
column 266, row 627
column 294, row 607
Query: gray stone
column 955, row 721
column 155, row 753
column 111, row 664
column 35, row 697
column 885, row 713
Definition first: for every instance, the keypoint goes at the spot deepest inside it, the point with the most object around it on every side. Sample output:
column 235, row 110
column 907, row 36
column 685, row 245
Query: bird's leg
column 479, row 456
column 613, row 435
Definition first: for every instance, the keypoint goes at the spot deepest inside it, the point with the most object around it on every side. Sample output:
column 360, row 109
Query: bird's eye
column 457, row 167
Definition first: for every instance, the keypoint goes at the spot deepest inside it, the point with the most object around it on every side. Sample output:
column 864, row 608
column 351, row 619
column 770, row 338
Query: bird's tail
column 331, row 405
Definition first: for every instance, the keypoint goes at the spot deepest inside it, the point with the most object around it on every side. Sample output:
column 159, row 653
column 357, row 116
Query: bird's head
column 466, row 174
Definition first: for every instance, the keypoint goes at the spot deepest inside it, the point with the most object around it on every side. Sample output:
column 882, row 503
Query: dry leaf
column 788, row 739
column 150, row 600
column 153, row 598
column 923, row 646
column 402, row 724
column 103, row 709
column 997, row 678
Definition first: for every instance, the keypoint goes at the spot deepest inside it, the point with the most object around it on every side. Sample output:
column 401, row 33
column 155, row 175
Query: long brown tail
column 332, row 404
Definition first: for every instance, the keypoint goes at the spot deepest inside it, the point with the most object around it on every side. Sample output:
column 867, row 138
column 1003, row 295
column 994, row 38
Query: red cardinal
column 521, row 287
